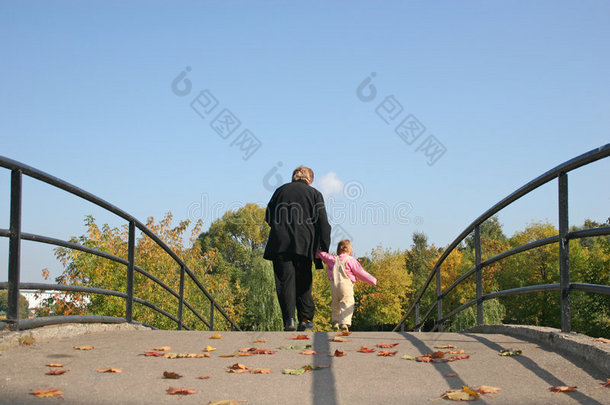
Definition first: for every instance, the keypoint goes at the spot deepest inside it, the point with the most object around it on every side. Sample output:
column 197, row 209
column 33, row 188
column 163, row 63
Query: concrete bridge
column 549, row 358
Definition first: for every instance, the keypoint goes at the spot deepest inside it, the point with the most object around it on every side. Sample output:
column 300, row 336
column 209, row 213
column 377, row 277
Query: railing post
column 417, row 328
column 14, row 251
column 479, row 274
column 211, row 315
column 439, row 299
column 131, row 246
column 564, row 254
column 181, row 299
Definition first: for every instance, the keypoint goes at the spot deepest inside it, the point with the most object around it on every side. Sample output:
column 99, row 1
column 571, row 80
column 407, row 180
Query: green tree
column 23, row 304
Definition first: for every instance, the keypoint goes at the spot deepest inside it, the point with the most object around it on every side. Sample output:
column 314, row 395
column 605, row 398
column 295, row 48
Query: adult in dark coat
column 299, row 228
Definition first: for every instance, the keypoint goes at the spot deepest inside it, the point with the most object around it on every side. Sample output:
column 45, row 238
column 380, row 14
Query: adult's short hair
column 303, row 173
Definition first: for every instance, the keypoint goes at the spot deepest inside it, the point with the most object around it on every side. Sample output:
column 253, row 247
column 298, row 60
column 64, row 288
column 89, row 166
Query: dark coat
column 298, row 221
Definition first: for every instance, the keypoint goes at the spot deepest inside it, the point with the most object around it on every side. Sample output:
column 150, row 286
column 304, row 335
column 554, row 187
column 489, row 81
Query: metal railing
column 15, row 236
column 563, row 239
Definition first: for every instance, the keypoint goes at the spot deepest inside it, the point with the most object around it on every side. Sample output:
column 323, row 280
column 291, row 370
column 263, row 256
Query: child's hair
column 344, row 246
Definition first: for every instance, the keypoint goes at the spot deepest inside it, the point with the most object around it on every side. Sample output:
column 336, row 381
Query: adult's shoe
column 305, row 325
column 290, row 325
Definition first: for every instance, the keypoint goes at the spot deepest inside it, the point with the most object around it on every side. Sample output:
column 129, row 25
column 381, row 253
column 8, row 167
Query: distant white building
column 36, row 298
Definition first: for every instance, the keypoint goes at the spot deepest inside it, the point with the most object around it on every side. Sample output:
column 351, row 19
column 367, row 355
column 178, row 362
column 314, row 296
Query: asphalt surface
column 355, row 378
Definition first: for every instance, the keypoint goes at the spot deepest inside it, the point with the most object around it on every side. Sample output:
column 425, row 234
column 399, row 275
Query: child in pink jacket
column 343, row 271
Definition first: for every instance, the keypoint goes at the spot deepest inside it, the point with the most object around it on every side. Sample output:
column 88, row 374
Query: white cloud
column 329, row 184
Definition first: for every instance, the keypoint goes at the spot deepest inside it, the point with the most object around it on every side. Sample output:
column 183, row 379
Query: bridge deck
column 357, row 377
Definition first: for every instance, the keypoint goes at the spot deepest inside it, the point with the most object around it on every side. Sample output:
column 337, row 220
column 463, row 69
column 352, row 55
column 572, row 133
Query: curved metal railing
column 563, row 239
column 16, row 236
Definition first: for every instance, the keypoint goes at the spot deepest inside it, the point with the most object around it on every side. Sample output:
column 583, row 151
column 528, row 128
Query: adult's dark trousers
column 293, row 281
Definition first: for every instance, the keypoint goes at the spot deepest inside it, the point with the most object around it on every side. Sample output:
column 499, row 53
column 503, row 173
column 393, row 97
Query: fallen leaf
column 451, row 375
column 445, row 347
column 57, row 372
column 603, row 340
column 209, row 349
column 510, row 352
column 260, row 341
column 339, row 353
column 470, row 391
column 238, row 366
column 171, row 375
column 216, row 336
column 459, row 357
column 54, row 365
column 296, row 371
column 424, row 359
column 386, row 353
column 300, row 337
column 606, row 384
column 386, row 345
column 228, row 355
column 339, row 339
column 254, row 350
column 186, row 355
column 261, row 371
column 235, row 371
column 366, row 350
column 344, row 333
column 407, row 357
column 455, row 352
column 244, row 354
column 226, row 402
column 458, row 395
column 83, row 347
column 438, row 355
column 180, row 391
column 203, row 377
column 308, row 352
column 162, row 349
column 485, row 389
column 109, row 370
column 562, row 389
column 52, row 392
column 153, row 354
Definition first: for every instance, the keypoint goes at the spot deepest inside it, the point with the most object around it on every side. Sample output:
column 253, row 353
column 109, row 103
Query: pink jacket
column 353, row 269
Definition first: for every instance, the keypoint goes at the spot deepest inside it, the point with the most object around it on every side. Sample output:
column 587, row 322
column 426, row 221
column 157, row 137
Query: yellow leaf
column 209, row 349
column 216, row 336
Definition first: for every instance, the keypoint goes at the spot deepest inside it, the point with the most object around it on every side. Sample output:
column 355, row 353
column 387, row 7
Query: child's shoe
column 344, row 327
column 336, row 325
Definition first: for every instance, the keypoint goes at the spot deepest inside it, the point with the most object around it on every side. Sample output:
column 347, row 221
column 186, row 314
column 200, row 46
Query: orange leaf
column 153, row 354
column 260, row 341
column 339, row 353
column 308, row 352
column 606, row 384
column 238, row 366
column 171, row 375
column 261, row 371
column 424, row 359
column 438, row 355
column 386, row 353
column 180, row 391
column 300, row 337
column 603, row 340
column 386, row 345
column 52, row 392
column 237, row 371
column 344, row 333
column 216, row 336
column 339, row 339
column 83, row 347
column 109, row 370
column 366, row 350
column 203, row 377
column 459, row 357
column 162, row 348
column 451, row 375
column 54, row 365
column 57, row 372
column 262, row 351
column 562, row 389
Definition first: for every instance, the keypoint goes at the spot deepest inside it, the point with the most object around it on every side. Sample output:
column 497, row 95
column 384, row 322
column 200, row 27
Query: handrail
column 559, row 172
column 15, row 235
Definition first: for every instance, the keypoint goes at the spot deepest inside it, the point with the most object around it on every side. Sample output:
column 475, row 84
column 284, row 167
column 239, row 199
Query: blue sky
column 495, row 92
